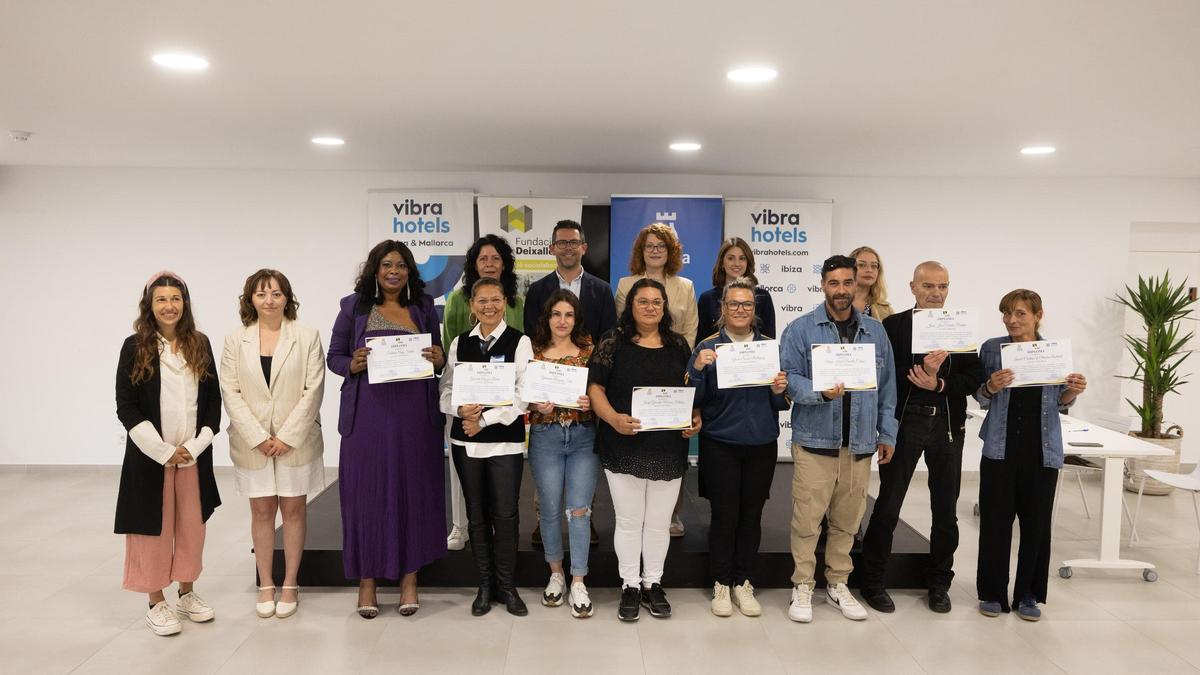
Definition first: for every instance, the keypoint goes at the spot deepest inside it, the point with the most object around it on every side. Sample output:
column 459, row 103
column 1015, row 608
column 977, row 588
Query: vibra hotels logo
column 516, row 218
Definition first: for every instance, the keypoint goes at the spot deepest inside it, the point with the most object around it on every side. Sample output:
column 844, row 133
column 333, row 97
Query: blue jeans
column 565, row 469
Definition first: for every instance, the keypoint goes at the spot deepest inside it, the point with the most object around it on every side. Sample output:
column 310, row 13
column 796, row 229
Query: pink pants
column 152, row 563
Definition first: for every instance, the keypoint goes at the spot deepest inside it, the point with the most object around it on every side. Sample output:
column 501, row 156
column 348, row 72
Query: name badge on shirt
column 497, row 358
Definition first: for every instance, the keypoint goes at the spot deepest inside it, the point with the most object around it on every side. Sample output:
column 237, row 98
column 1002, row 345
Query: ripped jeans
column 565, row 470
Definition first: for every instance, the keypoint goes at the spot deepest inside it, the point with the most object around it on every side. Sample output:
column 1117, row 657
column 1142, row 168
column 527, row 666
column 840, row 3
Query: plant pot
column 1134, row 468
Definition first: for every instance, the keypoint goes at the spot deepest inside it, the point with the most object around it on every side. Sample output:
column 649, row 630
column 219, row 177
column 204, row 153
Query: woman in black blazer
column 169, row 402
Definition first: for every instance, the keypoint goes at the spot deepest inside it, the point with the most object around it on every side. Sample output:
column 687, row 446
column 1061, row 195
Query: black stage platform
column 687, row 561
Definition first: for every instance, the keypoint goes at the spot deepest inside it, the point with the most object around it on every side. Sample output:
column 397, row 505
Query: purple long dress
column 390, row 476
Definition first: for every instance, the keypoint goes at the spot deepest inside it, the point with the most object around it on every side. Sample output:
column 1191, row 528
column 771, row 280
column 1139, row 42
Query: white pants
column 642, row 533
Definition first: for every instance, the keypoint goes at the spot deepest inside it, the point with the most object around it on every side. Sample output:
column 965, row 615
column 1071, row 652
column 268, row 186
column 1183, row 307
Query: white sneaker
column 581, row 602
column 801, row 607
column 195, row 608
column 457, row 539
column 743, row 597
column 840, row 597
column 162, row 620
column 721, row 606
column 553, row 595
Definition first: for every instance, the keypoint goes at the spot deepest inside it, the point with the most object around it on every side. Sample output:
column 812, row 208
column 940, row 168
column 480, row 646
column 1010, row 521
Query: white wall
column 79, row 243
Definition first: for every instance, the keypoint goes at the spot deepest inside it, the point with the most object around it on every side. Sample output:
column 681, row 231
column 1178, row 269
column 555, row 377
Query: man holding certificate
column 485, row 369
column 740, row 391
column 932, row 386
column 835, row 430
column 1022, row 453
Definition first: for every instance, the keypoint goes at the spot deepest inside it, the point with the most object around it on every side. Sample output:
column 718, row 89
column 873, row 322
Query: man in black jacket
column 596, row 296
column 599, row 309
column 932, row 410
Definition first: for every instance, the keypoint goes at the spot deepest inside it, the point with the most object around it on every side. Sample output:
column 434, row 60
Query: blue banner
column 697, row 222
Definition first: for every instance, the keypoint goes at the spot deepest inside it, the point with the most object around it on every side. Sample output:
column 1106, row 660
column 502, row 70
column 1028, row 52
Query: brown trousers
column 822, row 485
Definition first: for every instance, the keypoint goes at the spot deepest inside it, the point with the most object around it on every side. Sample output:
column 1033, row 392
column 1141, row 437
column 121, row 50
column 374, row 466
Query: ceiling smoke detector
column 19, row 136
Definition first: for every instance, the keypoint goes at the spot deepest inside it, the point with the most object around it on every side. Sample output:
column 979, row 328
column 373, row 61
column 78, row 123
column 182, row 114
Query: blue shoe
column 987, row 608
column 1027, row 609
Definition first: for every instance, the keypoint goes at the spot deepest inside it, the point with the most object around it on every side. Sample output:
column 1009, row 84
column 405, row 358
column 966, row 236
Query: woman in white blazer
column 272, row 380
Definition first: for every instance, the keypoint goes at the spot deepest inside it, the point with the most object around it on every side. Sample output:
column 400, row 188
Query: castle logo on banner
column 528, row 225
column 437, row 225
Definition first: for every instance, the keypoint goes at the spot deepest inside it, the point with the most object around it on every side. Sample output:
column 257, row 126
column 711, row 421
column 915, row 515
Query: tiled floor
column 62, row 609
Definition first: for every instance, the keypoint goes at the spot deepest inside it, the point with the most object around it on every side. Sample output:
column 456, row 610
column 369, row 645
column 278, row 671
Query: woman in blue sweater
column 737, row 452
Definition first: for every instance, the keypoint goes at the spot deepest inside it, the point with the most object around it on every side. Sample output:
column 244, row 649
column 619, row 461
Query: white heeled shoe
column 266, row 610
column 285, row 609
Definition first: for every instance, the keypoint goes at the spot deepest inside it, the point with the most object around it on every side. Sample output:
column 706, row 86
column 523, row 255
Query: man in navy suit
column 599, row 309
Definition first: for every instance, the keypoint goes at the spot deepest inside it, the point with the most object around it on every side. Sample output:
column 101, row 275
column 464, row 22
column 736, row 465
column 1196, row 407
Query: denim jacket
column 817, row 423
column 995, row 426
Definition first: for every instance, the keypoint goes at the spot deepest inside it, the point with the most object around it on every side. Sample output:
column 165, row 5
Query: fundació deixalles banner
column 437, row 225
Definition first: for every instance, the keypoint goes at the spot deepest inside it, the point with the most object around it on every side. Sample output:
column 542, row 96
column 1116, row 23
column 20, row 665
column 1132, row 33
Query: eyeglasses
column 644, row 303
column 655, row 247
column 864, row 265
column 745, row 306
column 571, row 244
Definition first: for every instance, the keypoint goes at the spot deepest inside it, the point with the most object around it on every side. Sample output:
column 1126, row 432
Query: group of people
column 653, row 332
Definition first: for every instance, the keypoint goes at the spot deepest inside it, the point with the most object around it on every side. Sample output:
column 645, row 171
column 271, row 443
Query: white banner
column 790, row 239
column 437, row 225
column 528, row 224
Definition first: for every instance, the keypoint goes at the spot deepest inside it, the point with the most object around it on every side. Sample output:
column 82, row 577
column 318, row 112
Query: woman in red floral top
column 564, row 466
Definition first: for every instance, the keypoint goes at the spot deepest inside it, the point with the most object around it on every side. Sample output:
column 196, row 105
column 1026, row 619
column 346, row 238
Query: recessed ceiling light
column 752, row 74
column 176, row 61
column 1038, row 150
column 685, row 146
column 328, row 140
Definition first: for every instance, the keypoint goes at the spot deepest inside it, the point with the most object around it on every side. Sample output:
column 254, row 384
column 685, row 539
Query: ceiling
column 884, row 88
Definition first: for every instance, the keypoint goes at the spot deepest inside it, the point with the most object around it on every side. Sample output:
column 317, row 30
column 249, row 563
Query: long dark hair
column 543, row 336
column 145, row 327
column 627, row 327
column 508, row 278
column 367, row 284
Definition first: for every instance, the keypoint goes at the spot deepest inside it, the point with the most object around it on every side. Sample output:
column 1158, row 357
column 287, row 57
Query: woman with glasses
column 658, row 255
column 870, row 297
column 737, row 452
column 644, row 468
column 735, row 259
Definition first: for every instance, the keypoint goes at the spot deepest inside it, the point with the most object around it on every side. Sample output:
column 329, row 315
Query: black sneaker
column 939, row 600
column 656, row 601
column 878, row 599
column 629, row 608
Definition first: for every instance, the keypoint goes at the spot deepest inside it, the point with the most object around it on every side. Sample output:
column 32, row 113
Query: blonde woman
column 870, row 297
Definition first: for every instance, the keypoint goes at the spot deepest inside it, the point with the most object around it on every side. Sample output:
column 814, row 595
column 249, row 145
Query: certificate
column 398, row 357
column 747, row 364
column 486, row 384
column 1037, row 363
column 555, row 383
column 663, row 407
column 852, row 365
column 954, row 330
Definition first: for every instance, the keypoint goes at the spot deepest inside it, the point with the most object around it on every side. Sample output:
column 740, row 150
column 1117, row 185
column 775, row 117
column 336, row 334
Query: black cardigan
column 962, row 372
column 139, row 499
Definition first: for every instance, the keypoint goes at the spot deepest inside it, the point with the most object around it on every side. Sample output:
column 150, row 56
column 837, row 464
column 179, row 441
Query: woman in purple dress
column 391, row 475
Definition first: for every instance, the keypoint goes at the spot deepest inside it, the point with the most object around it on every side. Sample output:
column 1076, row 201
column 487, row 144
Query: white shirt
column 498, row 415
column 575, row 285
column 177, row 407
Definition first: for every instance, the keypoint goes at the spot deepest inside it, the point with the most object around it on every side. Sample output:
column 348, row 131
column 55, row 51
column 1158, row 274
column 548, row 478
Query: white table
column 1116, row 448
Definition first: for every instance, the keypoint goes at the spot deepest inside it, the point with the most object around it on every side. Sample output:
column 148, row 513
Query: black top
column 1024, row 435
column 708, row 309
column 961, row 373
column 266, row 366
column 619, row 366
column 595, row 295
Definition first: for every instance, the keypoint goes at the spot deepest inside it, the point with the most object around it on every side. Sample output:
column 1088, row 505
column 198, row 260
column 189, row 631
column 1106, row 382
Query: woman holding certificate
column 272, row 382
column 739, row 442
column 169, row 401
column 1018, row 474
column 490, row 257
column 639, row 369
column 481, row 394
column 561, row 452
column 391, row 471
column 870, row 297
column 734, row 259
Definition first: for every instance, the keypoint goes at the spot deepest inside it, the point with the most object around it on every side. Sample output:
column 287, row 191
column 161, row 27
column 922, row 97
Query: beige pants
column 821, row 485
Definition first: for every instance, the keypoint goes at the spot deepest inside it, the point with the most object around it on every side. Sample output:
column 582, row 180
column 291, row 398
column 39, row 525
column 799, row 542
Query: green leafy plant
column 1158, row 356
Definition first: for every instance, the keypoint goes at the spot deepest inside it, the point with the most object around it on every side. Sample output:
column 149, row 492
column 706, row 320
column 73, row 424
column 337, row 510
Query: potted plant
column 1157, row 358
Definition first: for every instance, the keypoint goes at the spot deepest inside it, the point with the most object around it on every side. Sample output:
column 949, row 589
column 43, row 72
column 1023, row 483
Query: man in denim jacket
column 834, row 434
